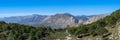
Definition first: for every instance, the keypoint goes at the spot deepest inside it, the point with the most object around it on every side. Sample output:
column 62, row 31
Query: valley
column 104, row 28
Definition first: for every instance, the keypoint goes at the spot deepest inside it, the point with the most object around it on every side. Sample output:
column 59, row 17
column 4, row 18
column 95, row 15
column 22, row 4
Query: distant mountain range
column 54, row 21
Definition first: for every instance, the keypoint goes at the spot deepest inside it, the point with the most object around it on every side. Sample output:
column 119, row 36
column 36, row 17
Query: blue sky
column 50, row 7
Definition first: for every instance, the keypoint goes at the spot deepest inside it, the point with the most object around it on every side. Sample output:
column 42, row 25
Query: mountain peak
column 35, row 14
column 64, row 14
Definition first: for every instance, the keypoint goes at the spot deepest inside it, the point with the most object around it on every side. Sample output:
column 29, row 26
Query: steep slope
column 94, row 18
column 106, row 28
column 59, row 21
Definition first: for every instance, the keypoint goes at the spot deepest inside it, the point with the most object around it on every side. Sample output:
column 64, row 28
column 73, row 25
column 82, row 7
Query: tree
column 72, row 30
column 81, row 30
column 100, row 30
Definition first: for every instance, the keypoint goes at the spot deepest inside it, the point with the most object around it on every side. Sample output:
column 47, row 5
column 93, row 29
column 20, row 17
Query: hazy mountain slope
column 24, row 19
column 55, row 21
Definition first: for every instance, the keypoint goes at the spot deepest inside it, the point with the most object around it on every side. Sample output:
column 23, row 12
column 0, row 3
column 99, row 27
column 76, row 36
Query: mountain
column 59, row 21
column 54, row 21
column 29, row 19
column 106, row 28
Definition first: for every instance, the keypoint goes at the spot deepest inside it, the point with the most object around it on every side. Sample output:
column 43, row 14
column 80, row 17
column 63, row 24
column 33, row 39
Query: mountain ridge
column 56, row 20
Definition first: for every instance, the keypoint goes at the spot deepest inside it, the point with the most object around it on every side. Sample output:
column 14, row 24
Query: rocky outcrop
column 60, row 21
column 94, row 18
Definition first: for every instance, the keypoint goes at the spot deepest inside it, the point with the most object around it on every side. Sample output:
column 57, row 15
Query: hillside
column 104, row 29
column 13, row 31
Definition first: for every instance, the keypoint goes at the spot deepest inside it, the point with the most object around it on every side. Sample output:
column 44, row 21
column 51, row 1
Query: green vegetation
column 96, row 28
column 13, row 31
